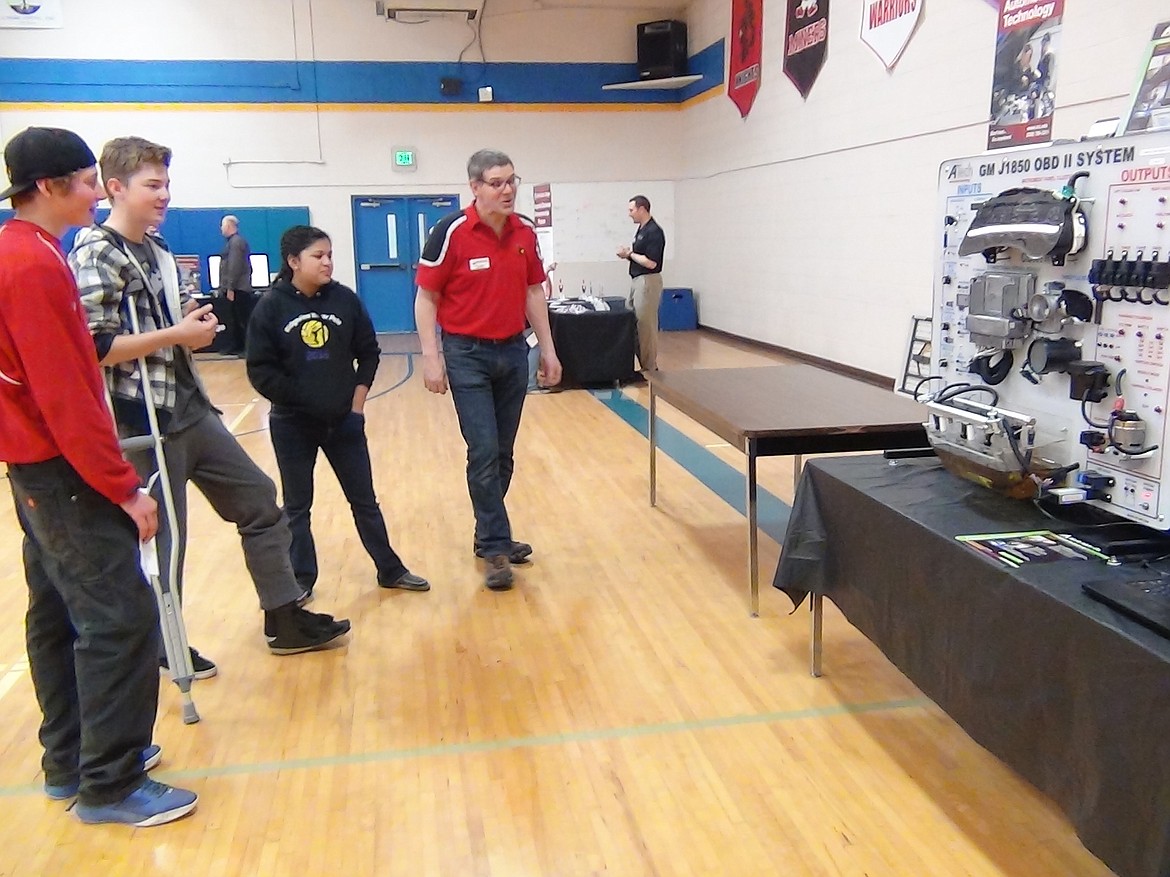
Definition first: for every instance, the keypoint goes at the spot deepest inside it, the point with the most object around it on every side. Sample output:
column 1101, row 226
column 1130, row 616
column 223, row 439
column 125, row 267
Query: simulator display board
column 1052, row 295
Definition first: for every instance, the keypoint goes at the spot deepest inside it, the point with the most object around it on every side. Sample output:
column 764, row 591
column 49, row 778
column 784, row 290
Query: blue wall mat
column 195, row 230
column 62, row 80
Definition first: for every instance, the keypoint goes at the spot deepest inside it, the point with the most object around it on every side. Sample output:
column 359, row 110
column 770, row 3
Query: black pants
column 237, row 313
column 296, row 439
column 91, row 631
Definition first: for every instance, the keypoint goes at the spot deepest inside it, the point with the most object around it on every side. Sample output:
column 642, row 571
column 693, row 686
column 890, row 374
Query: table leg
column 815, row 642
column 753, row 528
column 797, row 465
column 652, row 432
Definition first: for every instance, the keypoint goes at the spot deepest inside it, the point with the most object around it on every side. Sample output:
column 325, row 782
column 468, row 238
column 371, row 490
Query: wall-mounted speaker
column 662, row 49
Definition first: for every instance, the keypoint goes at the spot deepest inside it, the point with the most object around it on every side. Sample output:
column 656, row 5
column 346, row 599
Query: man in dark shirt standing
column 235, row 282
column 645, row 258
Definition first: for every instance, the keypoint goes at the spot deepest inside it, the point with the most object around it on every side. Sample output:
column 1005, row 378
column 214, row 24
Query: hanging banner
column 1149, row 105
column 806, row 42
column 747, row 43
column 30, row 13
column 1023, row 88
column 887, row 25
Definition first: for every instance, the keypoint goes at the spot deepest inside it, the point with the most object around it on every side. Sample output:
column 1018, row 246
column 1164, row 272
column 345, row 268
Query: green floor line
column 481, row 746
column 725, row 481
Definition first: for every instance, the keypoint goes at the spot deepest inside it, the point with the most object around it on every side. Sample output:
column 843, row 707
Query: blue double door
column 389, row 233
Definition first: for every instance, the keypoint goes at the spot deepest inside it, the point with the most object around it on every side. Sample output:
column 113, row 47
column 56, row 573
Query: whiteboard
column 591, row 220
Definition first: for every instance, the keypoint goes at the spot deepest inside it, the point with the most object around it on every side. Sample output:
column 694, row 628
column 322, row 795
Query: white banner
column 31, row 13
column 887, row 25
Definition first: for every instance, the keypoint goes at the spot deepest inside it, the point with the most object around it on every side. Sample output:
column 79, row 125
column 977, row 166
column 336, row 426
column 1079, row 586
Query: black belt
column 517, row 337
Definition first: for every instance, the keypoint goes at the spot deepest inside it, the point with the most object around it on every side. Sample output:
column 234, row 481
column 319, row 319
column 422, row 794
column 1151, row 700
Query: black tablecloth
column 1073, row 696
column 596, row 347
column 225, row 339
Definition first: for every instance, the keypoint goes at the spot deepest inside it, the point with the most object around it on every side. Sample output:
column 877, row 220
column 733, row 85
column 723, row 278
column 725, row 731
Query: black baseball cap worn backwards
column 43, row 153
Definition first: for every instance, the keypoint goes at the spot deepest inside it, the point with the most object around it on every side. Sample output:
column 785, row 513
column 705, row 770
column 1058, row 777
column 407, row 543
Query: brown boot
column 499, row 573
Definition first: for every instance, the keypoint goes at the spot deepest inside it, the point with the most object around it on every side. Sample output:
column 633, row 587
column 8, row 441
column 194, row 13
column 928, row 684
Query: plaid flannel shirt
column 110, row 283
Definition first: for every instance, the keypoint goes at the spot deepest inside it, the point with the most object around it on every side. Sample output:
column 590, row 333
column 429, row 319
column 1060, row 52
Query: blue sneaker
column 151, row 756
column 150, row 804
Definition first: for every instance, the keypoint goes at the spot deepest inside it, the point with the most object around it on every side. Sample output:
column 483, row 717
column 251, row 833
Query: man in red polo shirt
column 479, row 277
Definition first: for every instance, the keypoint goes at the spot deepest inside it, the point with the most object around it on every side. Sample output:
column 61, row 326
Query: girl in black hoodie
column 313, row 353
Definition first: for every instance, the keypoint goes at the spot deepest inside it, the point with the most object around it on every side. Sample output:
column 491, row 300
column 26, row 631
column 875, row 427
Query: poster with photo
column 1023, row 89
column 1149, row 105
column 190, row 275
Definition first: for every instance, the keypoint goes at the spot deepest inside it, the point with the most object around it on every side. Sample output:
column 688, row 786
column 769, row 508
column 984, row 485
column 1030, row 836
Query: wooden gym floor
column 618, row 712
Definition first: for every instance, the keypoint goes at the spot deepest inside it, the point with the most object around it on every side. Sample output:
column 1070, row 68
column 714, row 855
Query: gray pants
column 645, row 295
column 209, row 456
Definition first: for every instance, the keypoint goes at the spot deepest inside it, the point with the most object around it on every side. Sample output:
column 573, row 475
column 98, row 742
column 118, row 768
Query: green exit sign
column 404, row 159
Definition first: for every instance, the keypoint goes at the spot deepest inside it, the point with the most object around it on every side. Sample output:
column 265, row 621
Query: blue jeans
column 488, row 382
column 296, row 438
column 91, row 631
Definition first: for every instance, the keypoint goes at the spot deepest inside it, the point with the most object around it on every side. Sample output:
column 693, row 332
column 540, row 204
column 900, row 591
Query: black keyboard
column 1146, row 601
column 1159, row 587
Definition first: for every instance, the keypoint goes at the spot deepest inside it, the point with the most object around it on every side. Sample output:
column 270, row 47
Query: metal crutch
column 174, row 632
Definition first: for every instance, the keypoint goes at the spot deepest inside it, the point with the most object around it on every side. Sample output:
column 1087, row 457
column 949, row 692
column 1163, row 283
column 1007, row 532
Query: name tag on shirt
column 479, row 264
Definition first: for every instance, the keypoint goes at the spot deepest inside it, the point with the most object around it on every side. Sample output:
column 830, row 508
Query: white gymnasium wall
column 810, row 224
column 331, row 30
column 590, row 221
column 250, row 157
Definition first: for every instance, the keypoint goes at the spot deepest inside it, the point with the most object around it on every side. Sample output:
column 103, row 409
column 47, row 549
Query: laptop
column 1146, row 601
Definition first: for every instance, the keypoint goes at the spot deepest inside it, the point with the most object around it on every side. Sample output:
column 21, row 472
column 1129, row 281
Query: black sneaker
column 291, row 630
column 518, row 554
column 326, row 623
column 408, row 581
column 499, row 573
column 203, row 668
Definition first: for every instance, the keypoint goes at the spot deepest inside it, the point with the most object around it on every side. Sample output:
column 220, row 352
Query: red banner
column 747, row 41
column 1023, row 89
column 806, row 42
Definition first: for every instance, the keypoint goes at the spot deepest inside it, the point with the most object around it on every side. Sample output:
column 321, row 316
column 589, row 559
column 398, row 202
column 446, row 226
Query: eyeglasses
column 513, row 181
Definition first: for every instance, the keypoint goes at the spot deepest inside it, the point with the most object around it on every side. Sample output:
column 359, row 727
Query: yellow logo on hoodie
column 314, row 333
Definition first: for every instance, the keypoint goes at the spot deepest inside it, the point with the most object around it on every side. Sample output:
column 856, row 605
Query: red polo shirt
column 481, row 278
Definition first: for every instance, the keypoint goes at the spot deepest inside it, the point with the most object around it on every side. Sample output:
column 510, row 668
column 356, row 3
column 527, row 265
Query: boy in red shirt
column 92, row 623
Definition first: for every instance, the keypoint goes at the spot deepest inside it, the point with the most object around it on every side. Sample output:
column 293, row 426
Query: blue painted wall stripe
column 725, row 481
column 30, row 80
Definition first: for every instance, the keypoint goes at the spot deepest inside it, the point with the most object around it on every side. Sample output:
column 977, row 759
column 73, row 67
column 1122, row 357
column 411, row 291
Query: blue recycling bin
column 676, row 311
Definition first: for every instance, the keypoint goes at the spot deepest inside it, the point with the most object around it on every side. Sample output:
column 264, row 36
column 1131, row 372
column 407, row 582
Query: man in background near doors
column 118, row 267
column 91, row 626
column 645, row 258
column 479, row 276
column 235, row 282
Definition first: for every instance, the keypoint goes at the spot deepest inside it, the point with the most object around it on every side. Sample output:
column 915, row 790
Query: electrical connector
column 1068, row 495
column 1096, row 484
